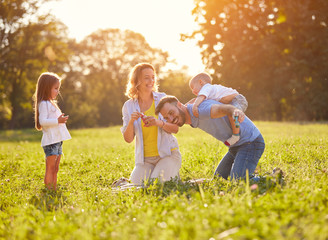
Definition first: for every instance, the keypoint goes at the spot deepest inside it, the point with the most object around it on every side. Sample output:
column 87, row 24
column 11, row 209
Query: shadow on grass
column 167, row 188
column 216, row 186
column 49, row 200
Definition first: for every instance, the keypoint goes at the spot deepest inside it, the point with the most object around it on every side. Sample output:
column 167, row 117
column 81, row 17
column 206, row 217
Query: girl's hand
column 62, row 118
column 152, row 121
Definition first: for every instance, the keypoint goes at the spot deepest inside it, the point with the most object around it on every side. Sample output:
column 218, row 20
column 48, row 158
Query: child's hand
column 240, row 114
column 62, row 118
column 195, row 111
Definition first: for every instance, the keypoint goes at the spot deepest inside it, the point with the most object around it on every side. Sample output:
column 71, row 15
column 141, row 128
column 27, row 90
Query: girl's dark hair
column 43, row 93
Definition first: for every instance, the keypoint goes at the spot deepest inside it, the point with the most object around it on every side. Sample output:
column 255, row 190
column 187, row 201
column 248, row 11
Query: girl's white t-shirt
column 53, row 131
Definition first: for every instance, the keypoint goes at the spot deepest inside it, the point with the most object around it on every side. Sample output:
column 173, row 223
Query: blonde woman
column 157, row 153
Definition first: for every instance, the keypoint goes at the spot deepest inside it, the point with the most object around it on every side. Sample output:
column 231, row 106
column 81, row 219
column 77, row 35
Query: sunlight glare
column 160, row 21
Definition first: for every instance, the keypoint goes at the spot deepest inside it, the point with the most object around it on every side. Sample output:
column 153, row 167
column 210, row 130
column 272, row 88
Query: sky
column 160, row 21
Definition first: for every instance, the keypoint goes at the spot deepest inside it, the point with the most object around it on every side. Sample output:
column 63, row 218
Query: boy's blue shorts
column 53, row 149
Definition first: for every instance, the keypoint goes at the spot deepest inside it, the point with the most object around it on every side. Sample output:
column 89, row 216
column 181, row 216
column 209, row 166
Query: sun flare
column 161, row 22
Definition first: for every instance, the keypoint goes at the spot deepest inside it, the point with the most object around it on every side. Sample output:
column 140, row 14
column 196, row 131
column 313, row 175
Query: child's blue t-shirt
column 220, row 128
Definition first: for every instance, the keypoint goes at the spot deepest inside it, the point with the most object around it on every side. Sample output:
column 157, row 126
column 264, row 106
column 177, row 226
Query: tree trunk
column 14, row 107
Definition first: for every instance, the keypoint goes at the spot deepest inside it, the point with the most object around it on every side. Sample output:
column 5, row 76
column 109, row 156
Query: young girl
column 51, row 121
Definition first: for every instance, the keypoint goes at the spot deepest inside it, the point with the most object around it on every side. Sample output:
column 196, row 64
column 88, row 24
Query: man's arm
column 166, row 126
column 221, row 110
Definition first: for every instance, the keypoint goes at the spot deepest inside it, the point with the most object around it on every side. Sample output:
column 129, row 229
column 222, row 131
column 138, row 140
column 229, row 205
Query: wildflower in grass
column 254, row 187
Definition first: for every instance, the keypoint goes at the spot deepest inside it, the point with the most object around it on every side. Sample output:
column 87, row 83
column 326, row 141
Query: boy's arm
column 199, row 100
column 234, row 126
column 191, row 101
column 221, row 110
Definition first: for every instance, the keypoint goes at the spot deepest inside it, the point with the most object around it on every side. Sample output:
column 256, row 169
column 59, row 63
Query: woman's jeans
column 241, row 158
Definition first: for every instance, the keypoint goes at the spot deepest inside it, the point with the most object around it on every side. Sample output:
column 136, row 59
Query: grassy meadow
column 86, row 207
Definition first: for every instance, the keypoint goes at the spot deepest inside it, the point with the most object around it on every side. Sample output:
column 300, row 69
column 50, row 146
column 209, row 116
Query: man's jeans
column 240, row 158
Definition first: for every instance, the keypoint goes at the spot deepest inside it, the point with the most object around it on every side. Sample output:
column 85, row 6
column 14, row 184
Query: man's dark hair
column 166, row 99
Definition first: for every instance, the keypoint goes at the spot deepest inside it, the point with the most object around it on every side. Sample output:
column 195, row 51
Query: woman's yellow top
column 150, row 135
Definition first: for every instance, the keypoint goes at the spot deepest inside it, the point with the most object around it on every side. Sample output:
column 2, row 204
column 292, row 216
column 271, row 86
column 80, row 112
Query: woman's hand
column 135, row 116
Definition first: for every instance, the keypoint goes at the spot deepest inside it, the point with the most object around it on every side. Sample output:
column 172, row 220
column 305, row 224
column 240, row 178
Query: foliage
column 176, row 83
column 274, row 52
column 94, row 88
column 85, row 206
column 95, row 70
column 31, row 43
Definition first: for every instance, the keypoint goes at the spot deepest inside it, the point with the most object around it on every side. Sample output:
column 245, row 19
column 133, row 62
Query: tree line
column 273, row 52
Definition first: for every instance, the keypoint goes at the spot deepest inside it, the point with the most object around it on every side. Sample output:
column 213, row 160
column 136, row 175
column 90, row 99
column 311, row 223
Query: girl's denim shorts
column 53, row 149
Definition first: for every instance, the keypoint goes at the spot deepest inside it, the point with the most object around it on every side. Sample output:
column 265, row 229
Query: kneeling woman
column 156, row 150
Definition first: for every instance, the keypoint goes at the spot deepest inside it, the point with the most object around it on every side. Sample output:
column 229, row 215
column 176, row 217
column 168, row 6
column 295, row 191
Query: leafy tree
column 99, row 72
column 176, row 83
column 273, row 51
column 30, row 44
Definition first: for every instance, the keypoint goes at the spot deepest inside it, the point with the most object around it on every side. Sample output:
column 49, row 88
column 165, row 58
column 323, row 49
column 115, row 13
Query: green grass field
column 85, row 206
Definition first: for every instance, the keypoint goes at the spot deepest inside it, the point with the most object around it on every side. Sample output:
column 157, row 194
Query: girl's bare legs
column 49, row 177
column 56, row 171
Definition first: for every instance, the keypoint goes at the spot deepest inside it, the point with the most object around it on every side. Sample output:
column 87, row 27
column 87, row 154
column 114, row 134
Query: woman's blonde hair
column 43, row 93
column 132, row 90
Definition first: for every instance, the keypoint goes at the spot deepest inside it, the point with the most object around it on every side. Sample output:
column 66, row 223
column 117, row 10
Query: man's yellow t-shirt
column 150, row 135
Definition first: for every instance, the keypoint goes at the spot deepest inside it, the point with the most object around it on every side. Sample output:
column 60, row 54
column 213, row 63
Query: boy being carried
column 201, row 85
